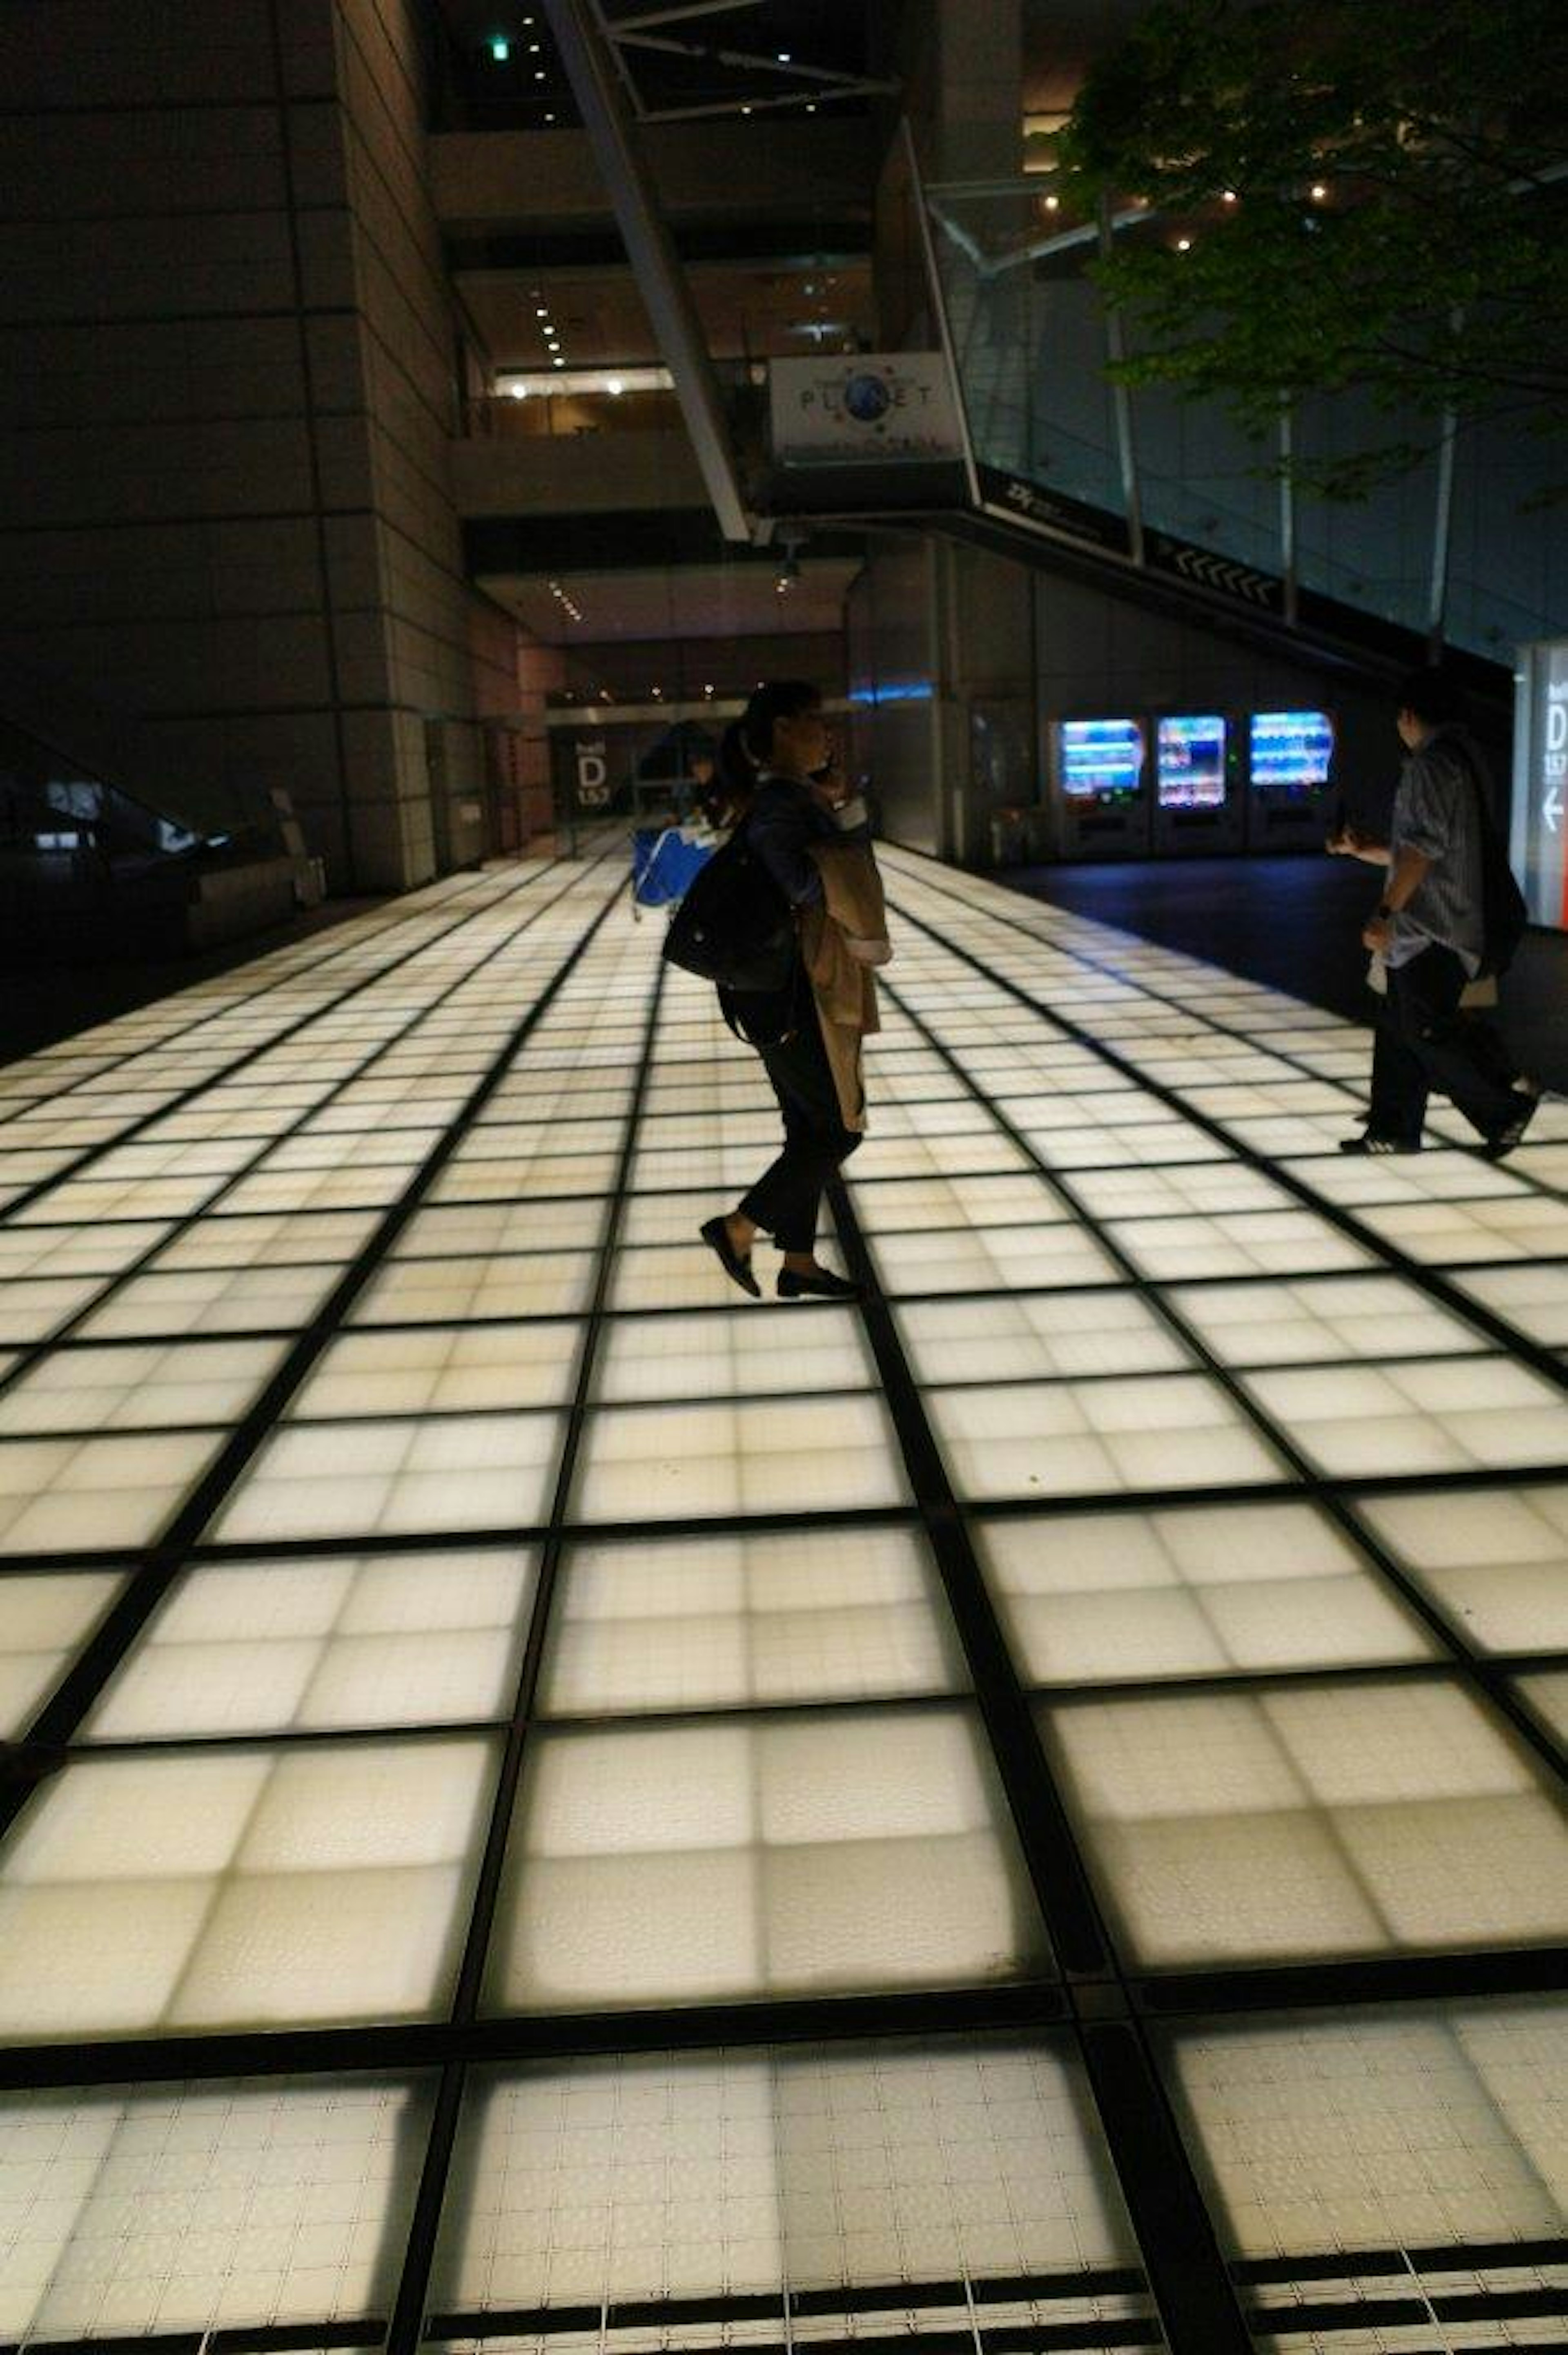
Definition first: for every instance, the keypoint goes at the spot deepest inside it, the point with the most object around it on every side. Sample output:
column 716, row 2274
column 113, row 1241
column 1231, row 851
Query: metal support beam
column 939, row 308
column 1121, row 403
column 1288, row 543
column 748, row 62
column 615, row 27
column 1442, row 524
column 589, row 59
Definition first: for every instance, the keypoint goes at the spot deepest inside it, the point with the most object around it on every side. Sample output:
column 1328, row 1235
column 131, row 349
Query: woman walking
column 813, row 838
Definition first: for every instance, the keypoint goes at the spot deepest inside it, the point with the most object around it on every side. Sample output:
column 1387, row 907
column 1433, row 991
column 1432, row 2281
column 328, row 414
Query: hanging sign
column 863, row 405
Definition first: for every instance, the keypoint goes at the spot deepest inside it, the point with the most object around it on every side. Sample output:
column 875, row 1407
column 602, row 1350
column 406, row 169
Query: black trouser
column 1423, row 1042
column 787, row 1200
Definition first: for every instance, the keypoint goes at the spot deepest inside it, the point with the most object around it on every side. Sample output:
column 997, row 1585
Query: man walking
column 1429, row 931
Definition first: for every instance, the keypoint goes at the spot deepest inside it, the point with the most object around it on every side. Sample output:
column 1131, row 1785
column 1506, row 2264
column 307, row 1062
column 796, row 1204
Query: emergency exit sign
column 1538, row 845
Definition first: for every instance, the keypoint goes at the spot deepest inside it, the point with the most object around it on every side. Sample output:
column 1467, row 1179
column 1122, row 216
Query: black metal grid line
column 63, row 1335
column 361, row 933
column 1536, row 1355
column 90, row 1672
column 407, row 2326
column 1106, row 2010
column 1307, row 1481
column 1332, row 1026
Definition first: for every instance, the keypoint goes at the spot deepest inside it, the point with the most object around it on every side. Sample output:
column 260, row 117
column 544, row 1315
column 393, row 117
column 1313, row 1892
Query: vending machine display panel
column 1291, row 753
column 1190, row 763
column 1100, row 760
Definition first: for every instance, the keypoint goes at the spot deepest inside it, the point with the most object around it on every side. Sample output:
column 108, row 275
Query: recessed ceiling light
column 558, row 361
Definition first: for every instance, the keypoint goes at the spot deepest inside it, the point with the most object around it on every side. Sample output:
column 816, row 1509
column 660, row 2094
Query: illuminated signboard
column 1291, row 752
column 1538, row 845
column 1099, row 759
column 1190, row 757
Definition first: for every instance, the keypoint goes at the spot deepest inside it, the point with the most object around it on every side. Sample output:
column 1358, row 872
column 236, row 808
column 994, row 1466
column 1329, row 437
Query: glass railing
column 1032, row 345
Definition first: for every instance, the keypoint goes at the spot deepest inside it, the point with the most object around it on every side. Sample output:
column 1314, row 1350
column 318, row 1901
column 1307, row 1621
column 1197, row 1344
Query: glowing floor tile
column 44, row 1619
column 716, row 1622
column 907, row 1206
column 456, row 1472
column 478, row 1230
column 1058, row 1332
column 212, row 1301
column 509, row 1284
column 1260, row 1242
column 1209, row 1187
column 1546, row 1695
column 1339, row 1818
column 47, row 1252
column 1534, row 1299
column 685, row 1274
column 1436, row 1415
column 868, row 1849
column 1495, row 1559
column 565, row 1177
column 1098, row 1597
column 240, row 1888
column 313, row 1239
column 443, row 1369
column 151, row 1388
column 32, row 1309
column 225, row 2203
column 692, row 1463
column 715, row 2174
column 1451, row 1235
column 1158, row 1142
column 991, row 1259
column 65, row 1496
column 332, row 1643
column 1028, row 1439
column 1366, row 1316
column 772, row 1350
column 1418, row 2128
column 974, row 1155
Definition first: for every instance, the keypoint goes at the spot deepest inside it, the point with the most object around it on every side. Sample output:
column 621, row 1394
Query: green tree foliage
column 1429, row 270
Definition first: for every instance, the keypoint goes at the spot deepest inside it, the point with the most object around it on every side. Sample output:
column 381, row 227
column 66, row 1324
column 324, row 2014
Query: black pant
column 787, row 1200
column 1423, row 1042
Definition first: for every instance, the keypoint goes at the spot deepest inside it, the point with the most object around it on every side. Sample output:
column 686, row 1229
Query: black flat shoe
column 822, row 1284
column 715, row 1234
column 1371, row 1144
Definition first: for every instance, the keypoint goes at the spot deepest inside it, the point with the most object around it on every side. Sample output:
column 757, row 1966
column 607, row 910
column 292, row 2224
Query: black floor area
column 1296, row 924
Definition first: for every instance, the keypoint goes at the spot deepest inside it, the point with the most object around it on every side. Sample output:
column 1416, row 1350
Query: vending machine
column 1197, row 810
column 1099, row 790
column 1289, row 757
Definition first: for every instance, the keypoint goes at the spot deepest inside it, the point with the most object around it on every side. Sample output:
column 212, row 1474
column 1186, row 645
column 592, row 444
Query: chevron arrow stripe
column 1221, row 573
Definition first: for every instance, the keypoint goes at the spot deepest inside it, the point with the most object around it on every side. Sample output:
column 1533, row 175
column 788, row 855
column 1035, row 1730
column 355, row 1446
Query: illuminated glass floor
column 552, row 1805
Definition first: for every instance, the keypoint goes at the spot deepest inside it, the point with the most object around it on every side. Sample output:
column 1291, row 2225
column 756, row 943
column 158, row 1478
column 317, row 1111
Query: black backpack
column 1504, row 915
column 735, row 926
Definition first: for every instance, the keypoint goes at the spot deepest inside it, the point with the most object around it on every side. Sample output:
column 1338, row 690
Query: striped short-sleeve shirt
column 1438, row 811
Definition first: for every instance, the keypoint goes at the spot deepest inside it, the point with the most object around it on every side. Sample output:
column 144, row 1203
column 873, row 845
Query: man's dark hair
column 781, row 698
column 1431, row 695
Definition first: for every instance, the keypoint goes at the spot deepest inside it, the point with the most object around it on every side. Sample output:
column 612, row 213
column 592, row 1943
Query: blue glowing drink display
column 1192, row 762
column 1100, row 760
column 1291, row 752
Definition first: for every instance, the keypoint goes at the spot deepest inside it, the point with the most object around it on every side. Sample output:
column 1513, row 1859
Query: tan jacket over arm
column 840, row 941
